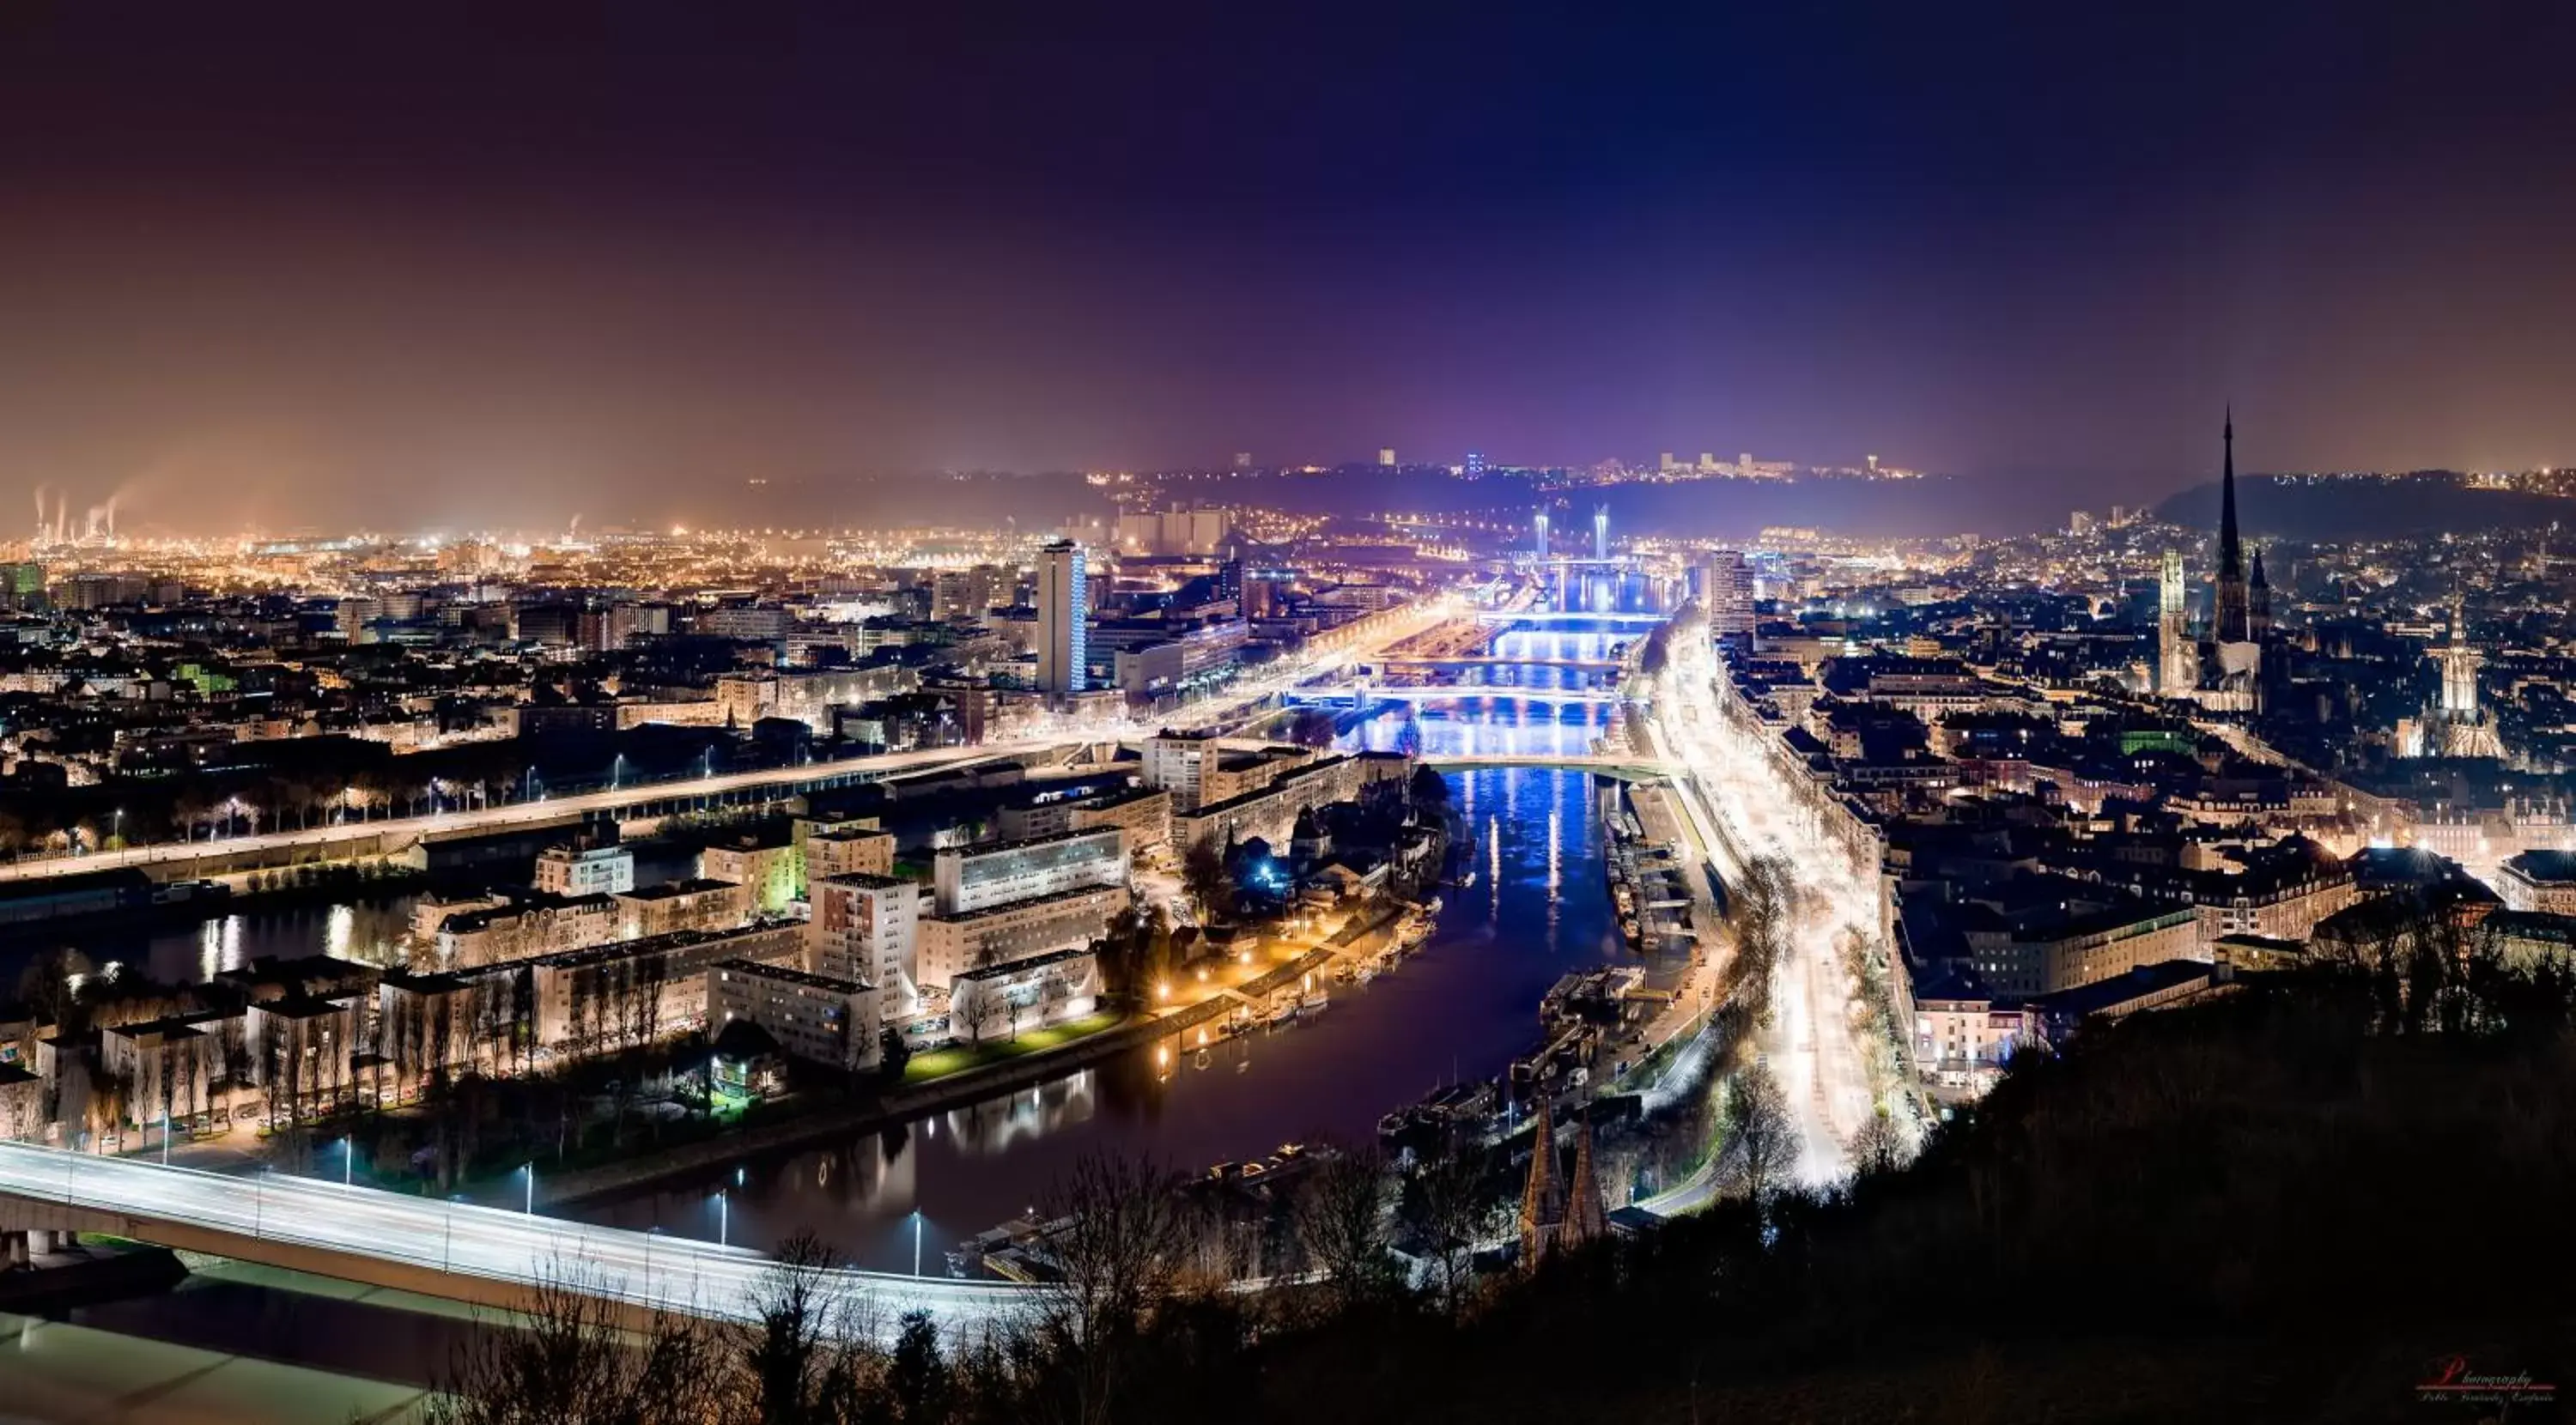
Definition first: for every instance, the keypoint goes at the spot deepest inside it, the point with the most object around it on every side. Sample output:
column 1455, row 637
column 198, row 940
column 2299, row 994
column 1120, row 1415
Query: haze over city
column 308, row 267
column 1154, row 715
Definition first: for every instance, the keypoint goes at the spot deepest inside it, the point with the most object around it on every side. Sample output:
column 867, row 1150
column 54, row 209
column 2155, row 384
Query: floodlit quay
column 483, row 1256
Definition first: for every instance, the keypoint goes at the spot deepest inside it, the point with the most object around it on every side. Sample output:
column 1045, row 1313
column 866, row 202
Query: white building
column 1000, row 1001
column 951, row 945
column 868, row 928
column 817, row 1018
column 976, row 878
column 579, row 870
column 1064, row 613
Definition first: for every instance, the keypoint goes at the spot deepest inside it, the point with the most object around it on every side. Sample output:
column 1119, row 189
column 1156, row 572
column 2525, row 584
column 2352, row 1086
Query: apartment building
column 1000, row 935
column 694, row 904
column 818, row 1018
column 868, row 928
column 1000, row 1001
column 974, row 878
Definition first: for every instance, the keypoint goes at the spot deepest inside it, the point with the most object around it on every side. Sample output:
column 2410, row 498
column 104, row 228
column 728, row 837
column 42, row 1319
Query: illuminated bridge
column 1565, row 616
column 1492, row 693
column 483, row 1256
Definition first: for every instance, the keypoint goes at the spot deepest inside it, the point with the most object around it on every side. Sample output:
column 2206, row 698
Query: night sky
column 321, row 267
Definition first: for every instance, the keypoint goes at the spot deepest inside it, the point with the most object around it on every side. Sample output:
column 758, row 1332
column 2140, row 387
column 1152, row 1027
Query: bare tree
column 1760, row 1137
column 1343, row 1217
column 976, row 1012
column 573, row 1361
column 801, row 1359
column 1877, row 1147
column 1116, row 1256
column 1453, row 1211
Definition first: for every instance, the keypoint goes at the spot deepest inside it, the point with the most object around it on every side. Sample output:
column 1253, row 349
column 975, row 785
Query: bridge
column 1588, row 665
column 390, row 834
column 1373, row 692
column 482, row 1256
column 1629, row 767
column 1567, row 616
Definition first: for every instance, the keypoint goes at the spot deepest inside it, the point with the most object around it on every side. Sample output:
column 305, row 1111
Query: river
column 1461, row 1008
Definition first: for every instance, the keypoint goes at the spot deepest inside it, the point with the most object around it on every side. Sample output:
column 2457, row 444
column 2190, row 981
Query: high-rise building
column 1386, row 456
column 1243, row 460
column 1538, row 534
column 1064, row 603
column 1664, row 462
column 1726, row 586
column 1475, row 464
column 1601, row 530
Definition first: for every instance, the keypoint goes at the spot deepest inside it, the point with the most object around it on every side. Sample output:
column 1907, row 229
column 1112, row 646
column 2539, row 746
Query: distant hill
column 2364, row 507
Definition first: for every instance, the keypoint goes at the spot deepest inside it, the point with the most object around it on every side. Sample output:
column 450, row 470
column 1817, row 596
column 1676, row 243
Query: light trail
column 1734, row 798
column 511, row 814
column 652, row 1269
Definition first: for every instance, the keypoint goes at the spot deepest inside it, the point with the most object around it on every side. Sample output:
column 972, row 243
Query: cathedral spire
column 2233, row 623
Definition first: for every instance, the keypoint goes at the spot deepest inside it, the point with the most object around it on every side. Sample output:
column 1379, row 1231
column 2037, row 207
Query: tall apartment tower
column 1726, row 587
column 1538, row 534
column 2177, row 656
column 1600, row 531
column 1064, row 605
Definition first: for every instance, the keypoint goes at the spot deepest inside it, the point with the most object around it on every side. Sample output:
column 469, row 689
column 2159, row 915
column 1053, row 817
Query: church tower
column 1559, row 1212
column 2233, row 610
column 2177, row 655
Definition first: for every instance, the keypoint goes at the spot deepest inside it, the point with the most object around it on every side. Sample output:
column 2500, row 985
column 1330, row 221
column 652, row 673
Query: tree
column 1313, row 727
column 976, row 1010
column 1116, row 1256
column 572, row 1362
column 917, row 1378
column 798, row 1361
column 1877, row 1148
column 1429, row 790
column 1760, row 1137
column 1210, row 885
column 1451, row 1210
column 1342, row 1219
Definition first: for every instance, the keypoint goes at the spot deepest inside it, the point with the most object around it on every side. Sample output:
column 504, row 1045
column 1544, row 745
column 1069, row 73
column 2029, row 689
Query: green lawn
column 939, row 1063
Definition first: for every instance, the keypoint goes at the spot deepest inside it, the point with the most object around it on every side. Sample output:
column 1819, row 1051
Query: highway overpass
column 483, row 1256
column 227, row 855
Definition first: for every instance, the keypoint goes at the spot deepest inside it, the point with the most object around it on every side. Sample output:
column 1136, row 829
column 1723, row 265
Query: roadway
column 1736, row 802
column 482, row 1255
column 1229, row 703
column 510, row 814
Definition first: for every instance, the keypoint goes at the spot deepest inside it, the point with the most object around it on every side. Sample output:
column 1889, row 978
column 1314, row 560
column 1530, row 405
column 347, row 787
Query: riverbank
column 955, row 1090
